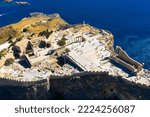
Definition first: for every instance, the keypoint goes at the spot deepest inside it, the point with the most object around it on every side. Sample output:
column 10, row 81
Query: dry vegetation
column 34, row 25
column 7, row 33
column 86, row 28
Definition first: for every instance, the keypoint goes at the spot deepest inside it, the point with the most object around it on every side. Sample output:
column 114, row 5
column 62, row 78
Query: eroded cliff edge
column 79, row 86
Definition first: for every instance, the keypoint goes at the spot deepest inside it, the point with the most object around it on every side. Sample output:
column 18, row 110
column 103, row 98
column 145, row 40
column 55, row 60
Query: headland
column 43, row 47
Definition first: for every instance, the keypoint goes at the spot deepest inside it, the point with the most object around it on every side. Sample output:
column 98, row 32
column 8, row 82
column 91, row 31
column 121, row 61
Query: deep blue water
column 128, row 20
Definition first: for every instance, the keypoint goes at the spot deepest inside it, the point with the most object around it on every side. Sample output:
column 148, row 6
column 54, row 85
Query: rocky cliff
column 79, row 86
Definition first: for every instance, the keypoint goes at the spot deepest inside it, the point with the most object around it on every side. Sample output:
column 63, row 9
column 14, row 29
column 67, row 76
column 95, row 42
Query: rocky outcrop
column 8, row 1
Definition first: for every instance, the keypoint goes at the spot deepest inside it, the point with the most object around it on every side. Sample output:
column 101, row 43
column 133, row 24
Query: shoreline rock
column 8, row 1
column 22, row 3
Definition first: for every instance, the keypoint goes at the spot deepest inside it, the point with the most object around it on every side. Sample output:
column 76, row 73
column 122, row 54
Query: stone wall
column 122, row 58
column 27, row 59
column 96, row 85
column 17, row 83
column 75, row 40
column 85, row 85
column 124, row 64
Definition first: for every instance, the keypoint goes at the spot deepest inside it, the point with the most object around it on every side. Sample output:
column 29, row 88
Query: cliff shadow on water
column 84, row 86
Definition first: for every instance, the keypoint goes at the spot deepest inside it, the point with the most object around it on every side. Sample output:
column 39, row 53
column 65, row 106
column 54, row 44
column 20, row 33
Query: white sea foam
column 1, row 15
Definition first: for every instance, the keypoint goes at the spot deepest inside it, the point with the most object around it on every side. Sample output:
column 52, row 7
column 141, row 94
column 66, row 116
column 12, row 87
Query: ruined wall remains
column 124, row 64
column 85, row 85
column 122, row 58
column 15, row 83
column 75, row 40
column 27, row 59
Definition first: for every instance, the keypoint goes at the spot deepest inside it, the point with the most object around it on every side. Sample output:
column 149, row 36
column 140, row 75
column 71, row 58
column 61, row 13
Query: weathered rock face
column 79, row 87
column 99, row 87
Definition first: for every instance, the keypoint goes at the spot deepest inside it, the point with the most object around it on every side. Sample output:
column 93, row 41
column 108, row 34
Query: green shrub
column 19, row 39
column 3, row 53
column 10, row 41
column 62, row 42
column 67, row 50
column 32, row 34
column 14, row 43
column 25, row 29
column 9, row 61
column 45, row 33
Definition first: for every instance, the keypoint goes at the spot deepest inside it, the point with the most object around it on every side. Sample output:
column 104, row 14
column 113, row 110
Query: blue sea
column 128, row 20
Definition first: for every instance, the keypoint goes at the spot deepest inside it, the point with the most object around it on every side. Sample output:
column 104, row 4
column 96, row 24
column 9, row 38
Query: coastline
column 106, row 78
column 36, row 15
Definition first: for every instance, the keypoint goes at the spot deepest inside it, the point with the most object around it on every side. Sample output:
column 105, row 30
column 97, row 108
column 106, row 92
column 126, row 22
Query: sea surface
column 128, row 20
